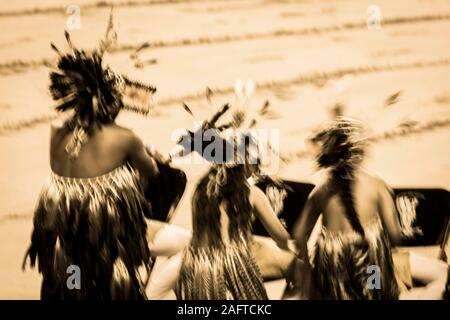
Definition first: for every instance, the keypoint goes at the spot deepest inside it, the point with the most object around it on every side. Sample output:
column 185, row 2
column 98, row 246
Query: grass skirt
column 341, row 265
column 96, row 224
column 225, row 273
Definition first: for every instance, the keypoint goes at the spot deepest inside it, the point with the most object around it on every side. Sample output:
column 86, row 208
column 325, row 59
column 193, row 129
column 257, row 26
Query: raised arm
column 388, row 212
column 263, row 210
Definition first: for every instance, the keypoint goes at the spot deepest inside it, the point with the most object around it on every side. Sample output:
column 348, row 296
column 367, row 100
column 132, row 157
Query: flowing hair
column 215, row 267
column 233, row 191
column 342, row 152
column 212, row 268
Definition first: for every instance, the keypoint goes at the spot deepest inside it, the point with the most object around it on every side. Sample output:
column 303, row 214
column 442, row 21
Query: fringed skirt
column 347, row 266
column 225, row 273
column 89, row 236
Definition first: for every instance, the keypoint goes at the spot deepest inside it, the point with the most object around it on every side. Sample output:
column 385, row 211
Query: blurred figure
column 218, row 263
column 359, row 223
column 90, row 214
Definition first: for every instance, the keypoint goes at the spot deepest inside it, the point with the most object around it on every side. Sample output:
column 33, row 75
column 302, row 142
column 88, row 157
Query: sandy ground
column 305, row 56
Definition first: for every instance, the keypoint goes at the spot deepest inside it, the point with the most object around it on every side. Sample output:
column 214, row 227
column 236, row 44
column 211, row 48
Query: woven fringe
column 225, row 273
column 341, row 261
column 97, row 224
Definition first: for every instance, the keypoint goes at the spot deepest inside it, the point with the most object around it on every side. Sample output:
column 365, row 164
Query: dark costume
column 220, row 273
column 216, row 265
column 96, row 224
column 344, row 262
column 342, row 265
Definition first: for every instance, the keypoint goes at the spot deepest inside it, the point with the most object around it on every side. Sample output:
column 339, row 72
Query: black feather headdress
column 82, row 83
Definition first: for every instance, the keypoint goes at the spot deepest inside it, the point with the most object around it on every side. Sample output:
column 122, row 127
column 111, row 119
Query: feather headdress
column 82, row 83
column 234, row 143
column 342, row 144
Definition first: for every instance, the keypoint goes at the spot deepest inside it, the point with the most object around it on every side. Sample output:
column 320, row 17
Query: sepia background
column 385, row 62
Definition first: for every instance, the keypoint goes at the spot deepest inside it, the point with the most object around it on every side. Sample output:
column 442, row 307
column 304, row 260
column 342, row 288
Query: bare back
column 106, row 149
column 365, row 190
column 372, row 199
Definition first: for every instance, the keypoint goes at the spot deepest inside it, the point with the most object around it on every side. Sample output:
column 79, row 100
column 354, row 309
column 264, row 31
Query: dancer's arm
column 430, row 272
column 140, row 159
column 166, row 239
column 305, row 225
column 388, row 213
column 163, row 279
column 302, row 231
column 263, row 210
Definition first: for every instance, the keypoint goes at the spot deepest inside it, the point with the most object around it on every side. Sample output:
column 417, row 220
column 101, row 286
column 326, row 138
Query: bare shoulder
column 118, row 129
column 320, row 191
column 256, row 195
column 377, row 182
column 126, row 136
column 376, row 179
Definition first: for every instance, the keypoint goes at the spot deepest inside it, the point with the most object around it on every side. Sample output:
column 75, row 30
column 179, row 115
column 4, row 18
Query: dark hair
column 234, row 194
column 343, row 153
column 83, row 85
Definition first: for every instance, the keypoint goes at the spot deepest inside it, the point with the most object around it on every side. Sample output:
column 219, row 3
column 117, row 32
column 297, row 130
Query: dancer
column 90, row 214
column 218, row 264
column 359, row 222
